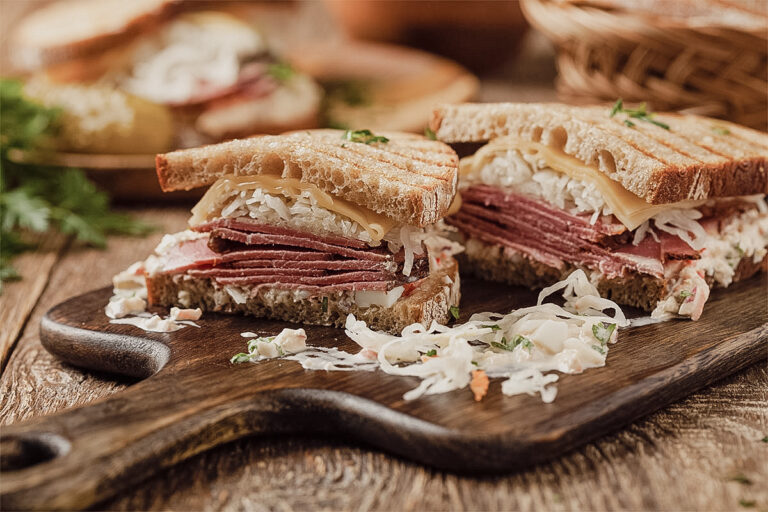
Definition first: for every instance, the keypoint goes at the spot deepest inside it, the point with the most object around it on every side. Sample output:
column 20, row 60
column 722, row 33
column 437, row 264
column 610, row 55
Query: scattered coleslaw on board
column 522, row 347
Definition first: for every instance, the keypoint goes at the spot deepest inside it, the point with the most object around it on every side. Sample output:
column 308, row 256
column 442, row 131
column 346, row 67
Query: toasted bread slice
column 429, row 302
column 76, row 29
column 697, row 158
column 409, row 179
column 495, row 263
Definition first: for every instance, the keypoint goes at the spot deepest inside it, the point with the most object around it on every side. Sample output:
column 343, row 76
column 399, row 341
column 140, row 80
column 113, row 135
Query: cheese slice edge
column 630, row 209
column 209, row 206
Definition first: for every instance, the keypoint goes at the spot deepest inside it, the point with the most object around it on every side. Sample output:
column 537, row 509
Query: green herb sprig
column 429, row 133
column 603, row 332
column 454, row 311
column 281, row 71
column 431, row 353
column 640, row 113
column 364, row 137
column 37, row 198
column 518, row 340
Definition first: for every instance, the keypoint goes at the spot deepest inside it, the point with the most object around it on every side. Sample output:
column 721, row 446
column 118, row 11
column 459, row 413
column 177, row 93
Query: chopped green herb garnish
column 38, row 198
column 639, row 113
column 740, row 251
column 344, row 144
column 517, row 340
column 747, row 503
column 684, row 294
column 240, row 358
column 428, row 133
column 765, row 439
column 721, row 130
column 454, row 310
column 617, row 107
column 325, row 304
column 281, row 71
column 493, row 327
column 431, row 353
column 741, row 479
column 599, row 349
column 364, row 137
column 603, row 332
column 475, row 363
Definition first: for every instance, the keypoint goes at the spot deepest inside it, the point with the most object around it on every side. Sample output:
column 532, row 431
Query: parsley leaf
column 747, row 503
column 721, row 130
column 518, row 340
column 281, row 71
column 684, row 294
column 240, row 358
column 603, row 332
column 36, row 198
column 598, row 348
column 640, row 113
column 431, row 353
column 493, row 327
column 454, row 310
column 428, row 133
column 364, row 137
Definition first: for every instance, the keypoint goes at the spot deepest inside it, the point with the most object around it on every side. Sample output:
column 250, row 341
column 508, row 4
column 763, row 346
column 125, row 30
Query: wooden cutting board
column 191, row 398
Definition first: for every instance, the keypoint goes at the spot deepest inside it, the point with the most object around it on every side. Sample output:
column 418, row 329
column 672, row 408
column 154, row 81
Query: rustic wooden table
column 704, row 453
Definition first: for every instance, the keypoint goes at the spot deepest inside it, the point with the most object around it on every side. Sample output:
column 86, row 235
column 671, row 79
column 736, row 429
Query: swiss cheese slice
column 627, row 207
column 209, row 207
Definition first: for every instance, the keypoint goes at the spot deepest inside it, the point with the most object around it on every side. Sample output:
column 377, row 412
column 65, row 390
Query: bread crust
column 429, row 302
column 697, row 158
column 494, row 263
column 409, row 179
column 29, row 54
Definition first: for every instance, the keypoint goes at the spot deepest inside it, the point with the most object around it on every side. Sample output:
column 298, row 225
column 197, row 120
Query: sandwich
column 655, row 208
column 312, row 226
column 213, row 71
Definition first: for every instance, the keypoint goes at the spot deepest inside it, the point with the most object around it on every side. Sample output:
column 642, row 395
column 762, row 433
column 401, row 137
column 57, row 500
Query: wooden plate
column 191, row 398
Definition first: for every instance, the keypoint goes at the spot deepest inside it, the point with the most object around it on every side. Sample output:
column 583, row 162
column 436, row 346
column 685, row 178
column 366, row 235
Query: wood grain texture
column 679, row 458
column 198, row 400
column 34, row 382
column 682, row 458
column 17, row 300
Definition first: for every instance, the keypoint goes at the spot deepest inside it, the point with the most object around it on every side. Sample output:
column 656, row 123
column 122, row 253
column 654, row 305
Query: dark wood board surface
column 194, row 399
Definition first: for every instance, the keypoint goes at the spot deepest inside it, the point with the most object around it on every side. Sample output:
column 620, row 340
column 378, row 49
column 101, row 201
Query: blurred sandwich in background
column 169, row 73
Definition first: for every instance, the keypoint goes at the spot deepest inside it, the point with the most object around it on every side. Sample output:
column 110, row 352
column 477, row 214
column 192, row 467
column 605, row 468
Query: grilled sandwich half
column 312, row 226
column 656, row 208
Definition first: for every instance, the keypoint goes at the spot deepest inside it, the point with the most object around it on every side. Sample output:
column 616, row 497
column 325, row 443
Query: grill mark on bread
column 639, row 166
column 419, row 195
column 361, row 167
column 410, row 156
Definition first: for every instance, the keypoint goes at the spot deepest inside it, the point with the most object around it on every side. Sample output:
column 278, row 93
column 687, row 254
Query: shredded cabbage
column 521, row 346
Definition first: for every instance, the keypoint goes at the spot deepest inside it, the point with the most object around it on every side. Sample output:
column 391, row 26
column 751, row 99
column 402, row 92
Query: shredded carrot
column 479, row 384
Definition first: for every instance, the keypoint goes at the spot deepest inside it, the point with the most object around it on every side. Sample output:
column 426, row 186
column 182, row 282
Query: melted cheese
column 210, row 205
column 628, row 208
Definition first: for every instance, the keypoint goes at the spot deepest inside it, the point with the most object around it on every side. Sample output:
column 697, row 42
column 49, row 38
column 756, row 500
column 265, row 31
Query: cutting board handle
column 80, row 457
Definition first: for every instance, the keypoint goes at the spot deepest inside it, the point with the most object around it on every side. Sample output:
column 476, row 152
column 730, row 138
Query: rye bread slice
column 410, row 178
column 696, row 158
column 493, row 263
column 429, row 302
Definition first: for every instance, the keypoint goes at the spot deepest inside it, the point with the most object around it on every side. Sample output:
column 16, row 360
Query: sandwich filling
column 256, row 232
column 548, row 207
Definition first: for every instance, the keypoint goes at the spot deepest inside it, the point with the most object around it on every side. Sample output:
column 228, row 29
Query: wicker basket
column 709, row 69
